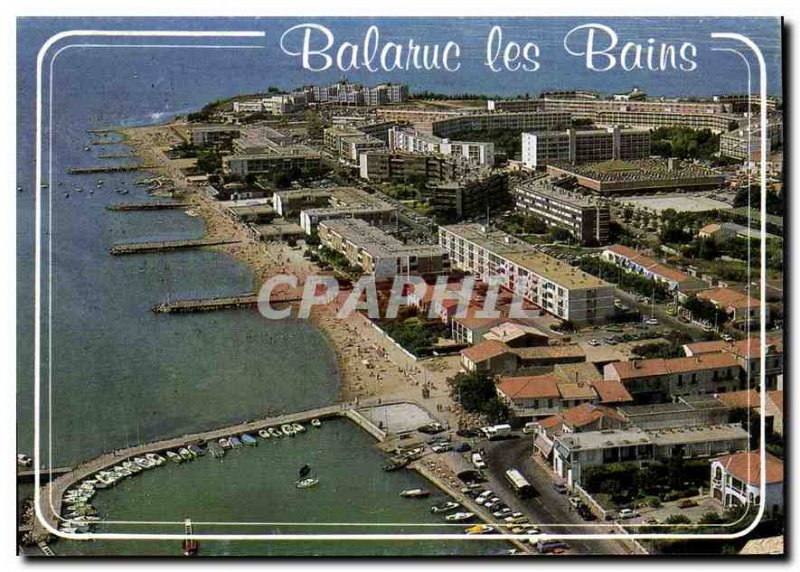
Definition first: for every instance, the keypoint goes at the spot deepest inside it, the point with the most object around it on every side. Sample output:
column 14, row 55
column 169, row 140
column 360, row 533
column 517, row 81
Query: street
column 547, row 507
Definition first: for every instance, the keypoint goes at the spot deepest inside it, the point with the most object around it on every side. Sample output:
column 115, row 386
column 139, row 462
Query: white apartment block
column 553, row 285
column 476, row 152
column 584, row 146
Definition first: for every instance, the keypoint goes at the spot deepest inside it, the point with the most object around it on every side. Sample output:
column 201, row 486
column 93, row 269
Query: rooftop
column 529, row 387
column 376, row 242
column 660, row 366
column 699, row 434
column 746, row 466
column 642, row 170
column 611, row 391
column 729, row 298
column 744, row 399
column 485, row 350
column 605, row 439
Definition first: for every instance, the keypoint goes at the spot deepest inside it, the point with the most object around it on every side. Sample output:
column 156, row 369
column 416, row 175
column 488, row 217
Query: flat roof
column 548, row 187
column 376, row 242
column 606, row 439
column 699, row 434
column 555, row 270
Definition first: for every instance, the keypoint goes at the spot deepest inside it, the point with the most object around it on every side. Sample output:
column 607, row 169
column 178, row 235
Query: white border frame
column 278, row 537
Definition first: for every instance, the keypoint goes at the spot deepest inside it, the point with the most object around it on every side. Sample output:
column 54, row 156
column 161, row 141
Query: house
column 736, row 481
column 585, row 417
column 516, row 335
column 685, row 412
column 489, row 357
column 548, row 356
column 741, row 308
column 748, row 353
column 531, row 396
column 658, row 380
column 632, row 261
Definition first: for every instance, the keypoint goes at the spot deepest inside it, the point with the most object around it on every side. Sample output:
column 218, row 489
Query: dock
column 52, row 493
column 152, row 206
column 28, row 473
column 224, row 303
column 110, row 169
column 167, row 245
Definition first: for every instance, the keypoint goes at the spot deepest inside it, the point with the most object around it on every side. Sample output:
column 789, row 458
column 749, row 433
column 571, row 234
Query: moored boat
column 155, row 458
column 459, row 516
column 298, row 428
column 248, row 439
column 287, row 430
column 132, row 467
column 316, row 423
column 196, row 449
column 174, row 457
column 235, row 443
column 414, row 493
column 263, row 433
column 224, row 443
column 216, row 451
column 307, row 482
column 144, row 463
column 444, row 507
column 274, row 432
column 479, row 529
column 185, row 454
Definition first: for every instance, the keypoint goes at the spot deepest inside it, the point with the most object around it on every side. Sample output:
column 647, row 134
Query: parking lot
column 705, row 504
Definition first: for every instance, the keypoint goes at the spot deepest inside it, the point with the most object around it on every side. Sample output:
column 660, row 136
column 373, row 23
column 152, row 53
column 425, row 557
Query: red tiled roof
column 752, row 346
column 575, row 391
column 747, row 467
column 729, row 299
column 587, row 413
column 710, row 228
column 550, row 422
column 529, row 387
column 611, row 392
column 484, row 350
column 622, row 250
column 777, row 398
column 659, row 366
column 707, row 347
column 744, row 399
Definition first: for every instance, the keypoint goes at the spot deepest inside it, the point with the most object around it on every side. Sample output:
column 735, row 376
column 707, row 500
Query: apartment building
column 551, row 284
column 279, row 158
column 378, row 253
column 741, row 308
column 212, row 134
column 575, row 452
column 529, row 121
column 659, row 380
column 573, row 146
column 348, row 142
column 476, row 194
column 479, row 153
column 555, row 200
column 422, row 119
column 748, row 354
column 745, row 143
column 348, row 203
column 381, row 166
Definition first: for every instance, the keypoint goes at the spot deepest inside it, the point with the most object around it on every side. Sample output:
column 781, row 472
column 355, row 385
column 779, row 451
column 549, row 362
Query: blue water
column 122, row 374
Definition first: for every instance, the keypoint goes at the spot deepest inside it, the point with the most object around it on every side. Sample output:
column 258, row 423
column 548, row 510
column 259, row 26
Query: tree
column 477, row 393
column 209, row 160
column 314, row 124
column 678, row 519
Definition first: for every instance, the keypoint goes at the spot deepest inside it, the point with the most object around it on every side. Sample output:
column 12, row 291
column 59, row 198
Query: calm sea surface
column 120, row 374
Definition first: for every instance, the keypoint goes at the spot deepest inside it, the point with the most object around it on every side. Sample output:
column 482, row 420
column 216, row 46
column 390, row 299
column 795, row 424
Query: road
column 548, row 507
column 659, row 312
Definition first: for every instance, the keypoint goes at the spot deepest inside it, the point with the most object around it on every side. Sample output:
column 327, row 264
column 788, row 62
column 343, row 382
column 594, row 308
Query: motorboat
column 274, row 432
column 235, row 443
column 414, row 493
column 287, row 430
column 249, row 440
column 144, row 463
column 122, row 471
column 132, row 467
column 216, row 451
column 224, row 443
column 479, row 529
column 444, row 507
column 155, row 458
column 316, row 423
column 298, row 428
column 196, row 449
column 307, row 482
column 24, row 460
column 264, row 434
column 185, row 454
column 174, row 457
column 394, row 465
column 459, row 516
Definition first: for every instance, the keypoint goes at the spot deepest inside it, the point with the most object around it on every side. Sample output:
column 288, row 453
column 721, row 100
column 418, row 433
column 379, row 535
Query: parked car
column 626, row 513
column 477, row 461
column 594, row 343
column 652, row 322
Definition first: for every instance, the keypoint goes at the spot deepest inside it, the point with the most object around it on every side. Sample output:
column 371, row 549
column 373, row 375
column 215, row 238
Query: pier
column 52, row 493
column 110, row 169
column 152, row 206
column 167, row 245
column 223, row 303
column 28, row 473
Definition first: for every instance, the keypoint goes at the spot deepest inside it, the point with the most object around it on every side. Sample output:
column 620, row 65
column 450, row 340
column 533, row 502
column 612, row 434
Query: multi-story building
column 748, row 353
column 575, row 146
column 658, row 380
column 551, row 284
column 472, row 195
column 480, row 153
column 575, row 452
column 745, row 143
column 348, row 142
column 381, row 166
column 348, row 202
column 741, row 308
column 286, row 159
column 378, row 253
column 528, row 121
column 736, row 481
column 212, row 134
column 514, row 105
column 555, row 201
column 422, row 119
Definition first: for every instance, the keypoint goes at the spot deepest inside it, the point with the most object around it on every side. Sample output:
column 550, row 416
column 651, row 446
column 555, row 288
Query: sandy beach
column 370, row 366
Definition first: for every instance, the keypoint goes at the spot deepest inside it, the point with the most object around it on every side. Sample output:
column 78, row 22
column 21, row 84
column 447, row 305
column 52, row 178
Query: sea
column 118, row 374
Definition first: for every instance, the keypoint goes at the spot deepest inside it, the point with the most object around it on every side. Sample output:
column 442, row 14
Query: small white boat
column 174, row 457
column 274, row 432
column 144, row 463
column 316, row 423
column 414, row 493
column 287, row 430
column 156, row 458
column 307, row 483
column 298, row 428
column 444, row 507
column 132, row 467
column 264, row 434
column 459, row 516
column 479, row 529
column 224, row 443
